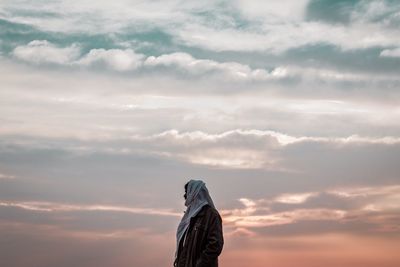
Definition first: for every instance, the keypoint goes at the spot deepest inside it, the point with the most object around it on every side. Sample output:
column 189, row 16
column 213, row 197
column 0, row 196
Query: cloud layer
column 288, row 110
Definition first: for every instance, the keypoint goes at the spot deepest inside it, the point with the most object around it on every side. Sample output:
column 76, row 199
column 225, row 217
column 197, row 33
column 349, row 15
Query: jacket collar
column 202, row 211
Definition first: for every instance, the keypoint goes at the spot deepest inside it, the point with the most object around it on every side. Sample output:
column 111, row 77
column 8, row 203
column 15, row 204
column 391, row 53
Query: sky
column 287, row 110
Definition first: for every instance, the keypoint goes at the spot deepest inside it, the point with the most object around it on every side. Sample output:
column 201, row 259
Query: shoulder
column 210, row 211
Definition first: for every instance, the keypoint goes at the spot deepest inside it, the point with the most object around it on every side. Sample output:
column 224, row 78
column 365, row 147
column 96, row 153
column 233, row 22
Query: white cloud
column 376, row 11
column 272, row 27
column 116, row 59
column 229, row 158
column 281, row 138
column 295, row 198
column 272, row 10
column 280, row 37
column 128, row 60
column 390, row 52
column 186, row 62
column 42, row 51
column 83, row 17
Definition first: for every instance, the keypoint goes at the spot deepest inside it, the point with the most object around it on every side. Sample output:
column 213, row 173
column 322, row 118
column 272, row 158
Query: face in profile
column 185, row 195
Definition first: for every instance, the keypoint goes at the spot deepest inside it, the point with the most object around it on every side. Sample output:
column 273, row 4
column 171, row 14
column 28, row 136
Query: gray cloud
column 119, row 166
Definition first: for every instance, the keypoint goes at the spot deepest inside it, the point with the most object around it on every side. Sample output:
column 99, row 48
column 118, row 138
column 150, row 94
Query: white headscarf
column 197, row 196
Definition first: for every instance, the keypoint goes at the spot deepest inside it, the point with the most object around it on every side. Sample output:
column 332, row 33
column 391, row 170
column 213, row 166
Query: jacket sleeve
column 214, row 242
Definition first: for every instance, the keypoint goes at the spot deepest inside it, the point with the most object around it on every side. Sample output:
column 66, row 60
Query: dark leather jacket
column 204, row 240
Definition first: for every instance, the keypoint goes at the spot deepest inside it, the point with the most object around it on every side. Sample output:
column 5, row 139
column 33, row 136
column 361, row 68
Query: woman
column 199, row 235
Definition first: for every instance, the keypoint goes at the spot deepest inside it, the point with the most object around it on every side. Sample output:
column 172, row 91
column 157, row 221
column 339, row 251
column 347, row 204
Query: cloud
column 365, row 191
column 250, row 206
column 229, row 158
column 178, row 63
column 280, row 37
column 298, row 114
column 382, row 12
column 234, row 149
column 60, row 207
column 287, row 217
column 105, row 104
column 295, row 198
column 378, row 206
column 115, row 59
column 260, row 213
column 256, row 213
column 122, row 102
column 42, row 51
column 6, row 177
column 270, row 11
column 216, row 26
column 310, row 74
column 186, row 62
column 266, row 136
column 276, row 33
column 375, row 199
column 245, row 148
column 390, row 53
